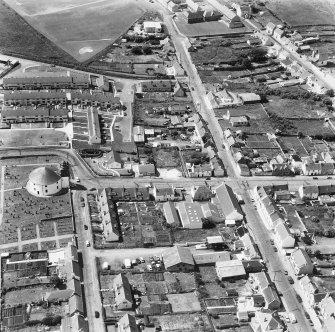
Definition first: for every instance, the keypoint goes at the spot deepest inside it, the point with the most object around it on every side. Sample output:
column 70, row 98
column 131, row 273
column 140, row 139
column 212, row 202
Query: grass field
column 304, row 12
column 82, row 28
column 19, row 38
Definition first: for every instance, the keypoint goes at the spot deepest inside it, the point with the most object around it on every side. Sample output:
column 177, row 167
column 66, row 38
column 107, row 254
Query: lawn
column 304, row 12
column 82, row 28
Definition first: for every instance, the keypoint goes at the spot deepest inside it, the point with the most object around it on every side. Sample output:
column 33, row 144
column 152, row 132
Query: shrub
column 33, row 322
column 136, row 50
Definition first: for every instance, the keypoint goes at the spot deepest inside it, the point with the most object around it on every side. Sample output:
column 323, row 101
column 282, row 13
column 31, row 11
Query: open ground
column 304, row 12
column 80, row 27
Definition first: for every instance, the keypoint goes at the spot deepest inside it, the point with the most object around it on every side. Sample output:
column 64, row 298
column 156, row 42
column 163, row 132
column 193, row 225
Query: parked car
column 275, row 248
column 285, row 272
column 96, row 314
column 142, row 260
column 85, row 227
column 272, row 242
column 149, row 267
column 138, row 261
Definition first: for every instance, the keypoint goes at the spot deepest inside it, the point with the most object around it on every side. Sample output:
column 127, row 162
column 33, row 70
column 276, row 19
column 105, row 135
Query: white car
column 149, row 267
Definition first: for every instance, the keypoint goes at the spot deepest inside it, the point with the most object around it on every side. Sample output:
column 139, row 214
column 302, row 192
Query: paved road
column 274, row 262
column 90, row 273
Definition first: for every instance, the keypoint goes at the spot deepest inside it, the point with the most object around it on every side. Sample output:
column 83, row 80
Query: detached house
column 163, row 193
column 201, row 193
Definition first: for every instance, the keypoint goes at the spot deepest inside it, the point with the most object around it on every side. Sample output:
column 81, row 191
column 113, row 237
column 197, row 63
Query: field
column 19, row 38
column 304, row 12
column 293, row 108
column 82, row 28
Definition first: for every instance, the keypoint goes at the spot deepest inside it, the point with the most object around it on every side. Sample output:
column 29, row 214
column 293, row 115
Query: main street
column 274, row 263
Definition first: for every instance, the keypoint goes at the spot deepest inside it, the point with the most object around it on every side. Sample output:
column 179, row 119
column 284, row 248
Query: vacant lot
column 184, row 302
column 166, row 158
column 304, row 12
column 80, row 27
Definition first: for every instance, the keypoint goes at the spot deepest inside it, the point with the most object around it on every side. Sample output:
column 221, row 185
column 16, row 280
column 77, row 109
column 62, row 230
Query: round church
column 44, row 182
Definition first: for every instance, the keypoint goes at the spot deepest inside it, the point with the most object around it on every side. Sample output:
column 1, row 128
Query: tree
column 136, row 50
column 207, row 224
column 55, row 280
column 147, row 50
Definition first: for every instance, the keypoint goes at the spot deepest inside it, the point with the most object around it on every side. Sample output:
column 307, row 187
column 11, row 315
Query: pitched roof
column 76, row 304
column 283, row 231
column 177, row 255
column 122, row 289
column 301, row 257
column 228, row 201
column 127, row 323
column 170, row 212
column 200, row 190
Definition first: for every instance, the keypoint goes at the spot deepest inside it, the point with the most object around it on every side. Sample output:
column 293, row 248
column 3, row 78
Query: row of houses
column 103, row 100
column 46, row 82
column 108, row 217
column 322, row 301
column 33, row 114
column 173, row 87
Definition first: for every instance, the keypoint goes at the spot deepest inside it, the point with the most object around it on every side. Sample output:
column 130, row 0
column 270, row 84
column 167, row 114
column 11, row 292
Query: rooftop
column 43, row 176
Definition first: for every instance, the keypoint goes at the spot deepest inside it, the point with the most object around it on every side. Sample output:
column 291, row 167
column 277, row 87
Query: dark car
column 96, row 314
column 290, row 280
column 85, row 227
column 275, row 249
